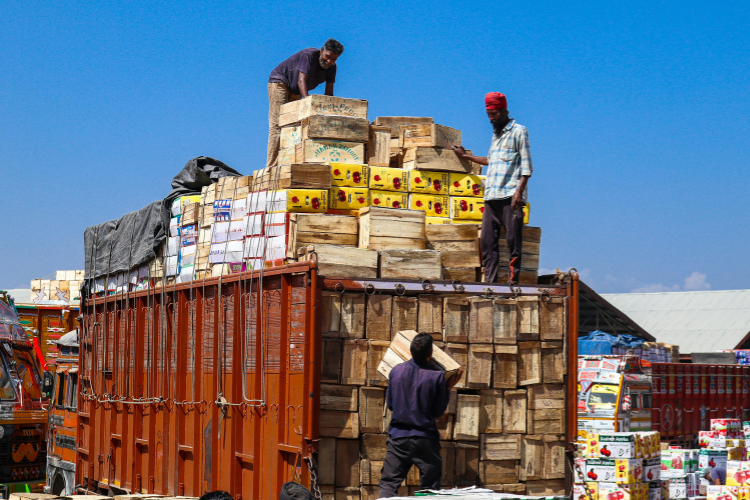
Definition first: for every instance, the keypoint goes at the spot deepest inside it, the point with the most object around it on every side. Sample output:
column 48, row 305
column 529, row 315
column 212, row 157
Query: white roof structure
column 703, row 321
column 20, row 295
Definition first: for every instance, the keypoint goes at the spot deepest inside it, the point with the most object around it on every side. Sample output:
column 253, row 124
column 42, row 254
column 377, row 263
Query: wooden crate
column 334, row 260
column 479, row 373
column 552, row 319
column 529, row 363
column 290, row 136
column 459, row 353
column 524, row 277
column 430, row 315
column 546, row 421
column 553, row 362
column 369, row 471
column 394, row 123
column 294, row 176
column 409, row 263
column 388, row 228
column 547, row 397
column 338, row 128
column 404, row 314
column 354, row 362
column 330, row 314
column 456, row 312
column 313, row 105
column 352, row 316
column 448, row 454
column 463, row 274
column 554, row 458
column 491, row 411
column 376, row 352
column 481, row 320
column 532, row 458
column 547, row 487
column 429, row 135
column 327, row 461
column 371, row 406
column 445, row 426
column 379, row 146
column 319, row 151
column 314, row 229
column 379, row 317
column 505, row 322
column 347, row 462
column 527, row 312
column 437, row 159
column 500, row 447
column 373, row 446
column 339, row 424
column 338, row 397
column 467, row 418
column 514, row 412
column 498, row 471
column 467, row 464
column 331, row 364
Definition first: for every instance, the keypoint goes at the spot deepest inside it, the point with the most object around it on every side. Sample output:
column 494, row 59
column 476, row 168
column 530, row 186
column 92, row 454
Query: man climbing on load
column 418, row 393
column 293, row 79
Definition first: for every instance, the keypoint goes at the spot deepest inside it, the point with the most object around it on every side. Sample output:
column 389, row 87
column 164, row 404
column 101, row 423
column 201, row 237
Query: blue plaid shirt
column 509, row 159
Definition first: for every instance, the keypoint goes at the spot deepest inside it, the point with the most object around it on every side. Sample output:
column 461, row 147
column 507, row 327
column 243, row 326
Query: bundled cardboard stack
column 66, row 287
column 622, row 465
column 505, row 424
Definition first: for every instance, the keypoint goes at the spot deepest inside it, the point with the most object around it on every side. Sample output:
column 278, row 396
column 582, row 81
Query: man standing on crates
column 505, row 192
column 294, row 79
column 418, row 393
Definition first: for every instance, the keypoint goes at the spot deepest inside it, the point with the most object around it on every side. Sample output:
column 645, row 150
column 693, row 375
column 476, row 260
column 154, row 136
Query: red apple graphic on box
column 650, row 475
column 711, row 463
column 604, row 451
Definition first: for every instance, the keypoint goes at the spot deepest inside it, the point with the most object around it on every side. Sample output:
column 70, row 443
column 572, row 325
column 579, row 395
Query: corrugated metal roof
column 695, row 321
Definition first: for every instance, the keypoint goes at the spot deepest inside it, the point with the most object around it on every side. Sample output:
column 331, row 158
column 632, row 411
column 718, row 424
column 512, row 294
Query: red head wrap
column 495, row 100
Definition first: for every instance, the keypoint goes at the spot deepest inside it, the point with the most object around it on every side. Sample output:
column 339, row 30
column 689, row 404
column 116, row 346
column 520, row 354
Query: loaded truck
column 243, row 382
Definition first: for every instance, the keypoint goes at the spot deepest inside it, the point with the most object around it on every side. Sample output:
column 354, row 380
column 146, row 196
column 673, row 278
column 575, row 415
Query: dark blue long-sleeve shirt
column 417, row 395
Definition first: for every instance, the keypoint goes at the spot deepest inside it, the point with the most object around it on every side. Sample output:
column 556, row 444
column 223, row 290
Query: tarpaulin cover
column 133, row 239
column 600, row 342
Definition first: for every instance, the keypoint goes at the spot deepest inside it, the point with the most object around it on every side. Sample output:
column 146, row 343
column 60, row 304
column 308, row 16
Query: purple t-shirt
column 305, row 61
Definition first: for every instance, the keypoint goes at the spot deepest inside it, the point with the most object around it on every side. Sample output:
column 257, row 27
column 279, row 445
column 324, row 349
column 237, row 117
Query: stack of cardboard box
column 66, row 287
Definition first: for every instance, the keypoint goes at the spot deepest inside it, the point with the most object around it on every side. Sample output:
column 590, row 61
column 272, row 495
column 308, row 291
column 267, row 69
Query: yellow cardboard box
column 467, row 185
column 348, row 198
column 388, row 199
column 349, row 174
column 433, row 205
column 389, row 179
column 466, row 207
column 428, row 182
column 298, row 200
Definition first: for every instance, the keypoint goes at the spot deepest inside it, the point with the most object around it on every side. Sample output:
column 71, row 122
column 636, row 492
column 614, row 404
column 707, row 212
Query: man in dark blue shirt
column 418, row 393
column 293, row 79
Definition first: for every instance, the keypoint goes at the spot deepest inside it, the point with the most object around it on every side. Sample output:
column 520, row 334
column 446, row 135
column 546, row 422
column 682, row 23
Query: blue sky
column 637, row 114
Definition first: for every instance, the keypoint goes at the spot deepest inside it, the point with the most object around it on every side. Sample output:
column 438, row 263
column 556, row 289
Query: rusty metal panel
column 199, row 387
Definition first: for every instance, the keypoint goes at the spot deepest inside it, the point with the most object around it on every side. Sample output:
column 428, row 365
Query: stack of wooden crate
column 65, row 287
column 531, row 244
column 505, row 424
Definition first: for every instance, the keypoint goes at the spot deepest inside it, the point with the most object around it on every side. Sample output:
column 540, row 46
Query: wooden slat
column 369, row 471
column 546, row 397
column 379, row 317
column 529, row 363
column 376, row 351
column 352, row 316
column 335, row 260
column 331, row 365
column 479, row 365
column 371, row 405
column 491, row 412
column 467, row 464
column 552, row 319
column 528, row 318
column 462, row 274
column 514, row 412
column 532, row 458
column 404, row 313
column 430, row 315
column 296, row 111
column 330, row 311
column 338, row 397
column 437, row 159
column 384, row 228
column 354, row 362
column 445, row 427
column 467, row 418
column 339, row 424
column 505, row 373
column 379, row 146
column 350, row 493
column 481, row 321
column 396, row 122
column 554, row 458
column 553, row 362
column 547, row 421
column 448, row 454
column 460, row 259
column 456, row 319
column 338, row 128
column 547, row 487
column 501, row 446
column 410, row 263
column 327, row 461
column 429, row 135
column 505, row 322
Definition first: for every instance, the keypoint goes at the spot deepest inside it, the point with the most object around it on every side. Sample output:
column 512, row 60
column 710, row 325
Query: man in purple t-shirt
column 294, row 79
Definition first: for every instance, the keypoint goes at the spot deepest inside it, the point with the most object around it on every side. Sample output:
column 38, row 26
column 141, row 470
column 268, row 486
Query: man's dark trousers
column 498, row 213
column 402, row 453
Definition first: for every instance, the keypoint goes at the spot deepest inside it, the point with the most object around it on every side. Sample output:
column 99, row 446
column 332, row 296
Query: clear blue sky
column 638, row 115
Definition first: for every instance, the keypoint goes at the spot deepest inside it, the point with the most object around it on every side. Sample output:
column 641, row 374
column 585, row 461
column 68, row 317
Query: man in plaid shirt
column 505, row 192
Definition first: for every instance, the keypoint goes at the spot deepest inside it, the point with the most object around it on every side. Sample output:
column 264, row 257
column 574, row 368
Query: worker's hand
column 517, row 202
column 453, row 380
column 460, row 151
